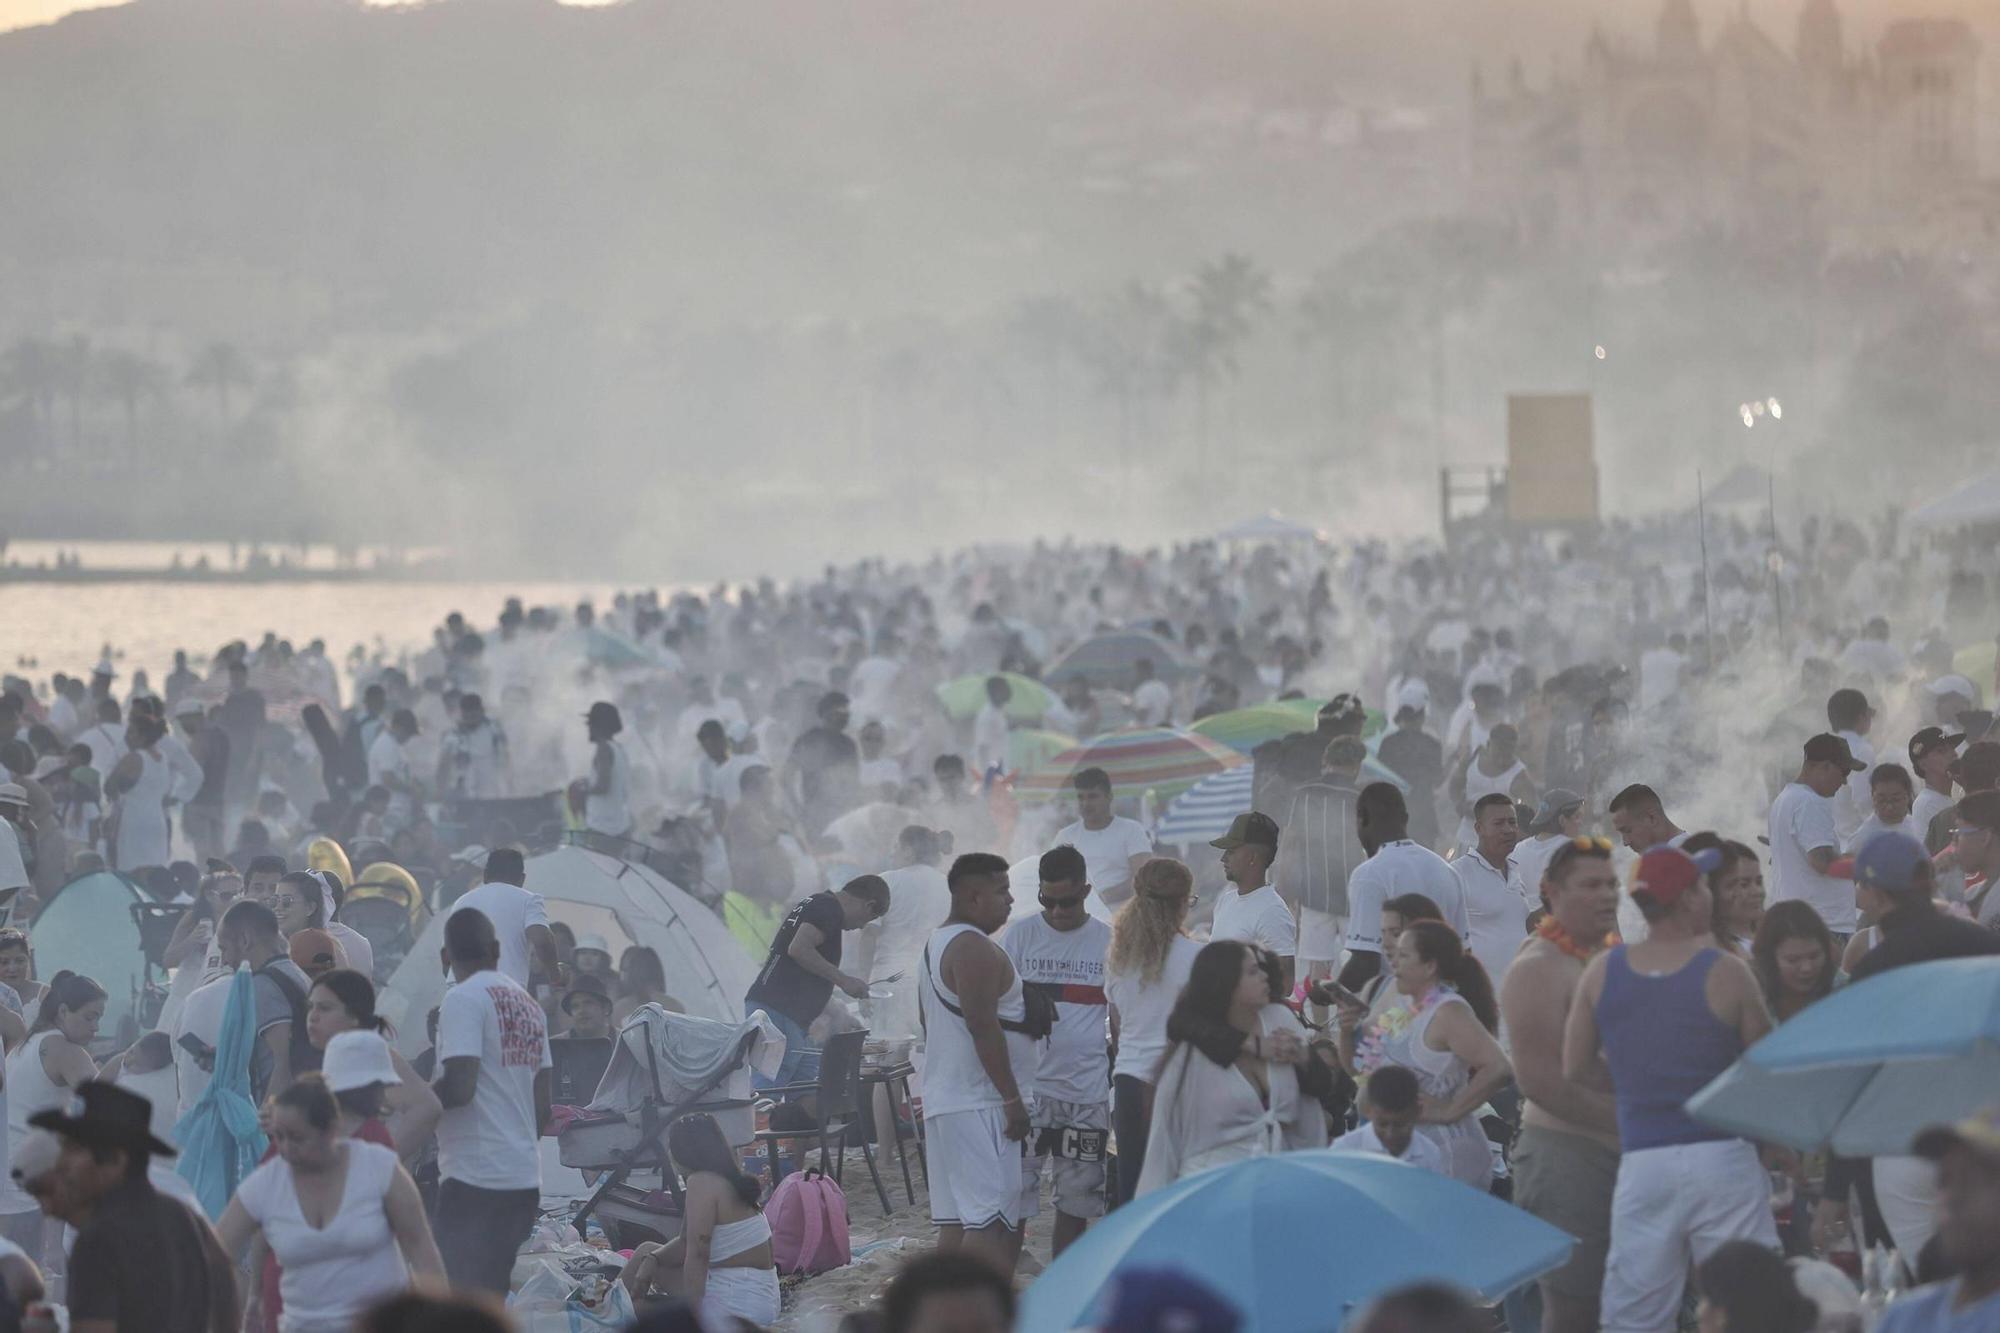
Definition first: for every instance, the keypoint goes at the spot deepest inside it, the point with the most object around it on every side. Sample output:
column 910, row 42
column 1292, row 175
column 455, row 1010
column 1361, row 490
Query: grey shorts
column 1567, row 1180
column 1075, row 1187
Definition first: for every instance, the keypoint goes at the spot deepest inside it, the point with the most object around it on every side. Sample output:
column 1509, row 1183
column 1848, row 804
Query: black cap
column 1932, row 738
column 586, row 983
column 1829, row 749
column 102, row 1115
column 1253, row 827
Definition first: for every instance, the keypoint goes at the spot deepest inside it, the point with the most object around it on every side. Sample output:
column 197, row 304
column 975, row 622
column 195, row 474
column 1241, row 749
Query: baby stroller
column 665, row 1066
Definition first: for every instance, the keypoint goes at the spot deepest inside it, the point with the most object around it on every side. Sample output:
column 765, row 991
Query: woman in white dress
column 1444, row 1036
column 1209, row 1111
column 141, row 782
column 330, row 1207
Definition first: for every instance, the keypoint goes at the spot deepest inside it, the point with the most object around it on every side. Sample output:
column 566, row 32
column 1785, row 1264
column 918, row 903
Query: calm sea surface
column 48, row 627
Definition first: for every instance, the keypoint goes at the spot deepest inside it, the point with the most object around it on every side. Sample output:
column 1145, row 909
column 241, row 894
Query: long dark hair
column 1755, row 1288
column 1792, row 919
column 1439, row 944
column 697, row 1144
column 1211, row 984
column 356, row 994
column 67, row 990
column 640, row 972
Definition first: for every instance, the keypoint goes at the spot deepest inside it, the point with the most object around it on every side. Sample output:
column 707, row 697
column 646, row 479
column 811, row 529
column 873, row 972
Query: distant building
column 1875, row 151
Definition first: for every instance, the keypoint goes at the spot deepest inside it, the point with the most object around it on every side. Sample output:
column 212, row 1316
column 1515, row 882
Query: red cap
column 1665, row 873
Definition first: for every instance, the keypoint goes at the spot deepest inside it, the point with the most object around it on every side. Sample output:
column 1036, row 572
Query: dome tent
column 88, row 926
column 595, row 893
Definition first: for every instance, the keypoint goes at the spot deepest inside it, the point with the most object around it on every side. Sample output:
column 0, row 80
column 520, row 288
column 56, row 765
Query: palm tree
column 222, row 369
column 1127, row 344
column 1229, row 294
column 31, row 373
column 127, row 378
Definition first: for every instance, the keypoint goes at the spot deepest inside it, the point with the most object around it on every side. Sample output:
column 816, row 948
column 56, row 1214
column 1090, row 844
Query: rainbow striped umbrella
column 1162, row 760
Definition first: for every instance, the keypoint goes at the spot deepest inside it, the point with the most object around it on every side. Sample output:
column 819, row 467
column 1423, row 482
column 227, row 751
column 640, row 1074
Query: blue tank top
column 1663, row 1044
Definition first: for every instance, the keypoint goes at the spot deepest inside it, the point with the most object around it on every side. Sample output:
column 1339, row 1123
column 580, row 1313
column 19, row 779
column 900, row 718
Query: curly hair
column 1148, row 922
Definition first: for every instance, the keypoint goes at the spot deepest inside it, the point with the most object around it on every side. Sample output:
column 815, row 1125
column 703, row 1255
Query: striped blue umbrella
column 1205, row 810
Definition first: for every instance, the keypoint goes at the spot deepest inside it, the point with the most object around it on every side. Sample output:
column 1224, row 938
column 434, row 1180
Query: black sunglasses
column 1057, row 904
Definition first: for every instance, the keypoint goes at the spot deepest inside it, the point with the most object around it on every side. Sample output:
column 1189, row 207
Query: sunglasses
column 1058, row 904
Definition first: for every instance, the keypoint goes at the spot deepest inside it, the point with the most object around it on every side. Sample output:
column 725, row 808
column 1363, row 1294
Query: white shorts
column 1675, row 1206
column 1075, row 1187
column 974, row 1169
column 1321, row 937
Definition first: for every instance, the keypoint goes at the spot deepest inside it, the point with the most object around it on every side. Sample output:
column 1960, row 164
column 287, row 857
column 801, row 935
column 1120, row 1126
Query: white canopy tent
column 594, row 893
column 1976, row 502
column 1270, row 526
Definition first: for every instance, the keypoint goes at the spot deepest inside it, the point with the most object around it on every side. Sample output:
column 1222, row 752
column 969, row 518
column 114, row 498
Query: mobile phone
column 203, row 1053
column 1323, row 991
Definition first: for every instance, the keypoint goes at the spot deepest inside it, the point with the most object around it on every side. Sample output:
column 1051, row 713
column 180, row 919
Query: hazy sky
column 1617, row 13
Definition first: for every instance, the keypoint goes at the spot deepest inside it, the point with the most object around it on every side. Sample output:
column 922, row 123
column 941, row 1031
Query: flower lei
column 1552, row 931
column 1369, row 1054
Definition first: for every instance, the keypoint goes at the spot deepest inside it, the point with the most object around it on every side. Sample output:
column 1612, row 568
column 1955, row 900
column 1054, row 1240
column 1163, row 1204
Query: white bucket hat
column 357, row 1059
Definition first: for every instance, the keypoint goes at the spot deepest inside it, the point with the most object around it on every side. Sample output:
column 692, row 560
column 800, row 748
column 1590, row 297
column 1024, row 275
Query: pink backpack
column 808, row 1216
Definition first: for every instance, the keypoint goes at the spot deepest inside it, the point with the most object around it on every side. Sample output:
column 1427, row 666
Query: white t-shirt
column 1153, row 703
column 989, row 739
column 1854, row 804
column 13, row 867
column 331, row 1273
column 1659, row 677
column 512, row 910
column 1873, row 825
column 1259, row 918
column 1395, row 869
column 200, row 1017
column 1143, row 1008
column 919, row 902
column 1072, row 1065
column 1802, row 821
column 360, row 953
column 1107, row 855
column 386, row 760
column 493, row 1142
column 1496, row 911
column 1422, row 1151
column 1929, row 805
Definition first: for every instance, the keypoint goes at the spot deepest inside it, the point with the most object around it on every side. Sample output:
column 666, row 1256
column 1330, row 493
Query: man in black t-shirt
column 826, row 766
column 803, row 967
column 142, row 1260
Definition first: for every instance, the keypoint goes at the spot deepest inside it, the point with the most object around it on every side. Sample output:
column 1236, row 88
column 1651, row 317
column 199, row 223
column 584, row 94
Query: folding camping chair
column 837, row 1106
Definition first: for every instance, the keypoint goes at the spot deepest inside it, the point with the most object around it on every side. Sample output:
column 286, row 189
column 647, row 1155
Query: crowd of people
column 1574, row 826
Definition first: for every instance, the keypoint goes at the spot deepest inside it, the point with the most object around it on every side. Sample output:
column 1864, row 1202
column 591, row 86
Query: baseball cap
column 314, row 951
column 1892, row 861
column 586, row 983
column 1665, row 873
column 1953, row 685
column 1978, row 765
column 1826, row 748
column 1414, row 697
column 13, row 793
column 1933, row 738
column 1556, row 802
column 357, row 1059
column 1979, row 1132
column 1251, row 827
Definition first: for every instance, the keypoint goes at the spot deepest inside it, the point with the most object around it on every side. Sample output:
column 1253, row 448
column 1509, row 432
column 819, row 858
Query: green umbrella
column 1028, row 748
column 964, row 697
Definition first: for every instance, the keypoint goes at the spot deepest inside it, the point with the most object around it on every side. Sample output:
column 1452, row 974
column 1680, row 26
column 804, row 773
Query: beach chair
column 836, row 1114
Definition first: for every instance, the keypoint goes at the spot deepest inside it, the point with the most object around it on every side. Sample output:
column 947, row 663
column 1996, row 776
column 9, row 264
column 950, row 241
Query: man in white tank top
column 975, row 1060
column 607, row 806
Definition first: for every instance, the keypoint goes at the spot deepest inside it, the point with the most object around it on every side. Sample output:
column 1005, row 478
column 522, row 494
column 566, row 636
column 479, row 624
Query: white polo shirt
column 1496, row 911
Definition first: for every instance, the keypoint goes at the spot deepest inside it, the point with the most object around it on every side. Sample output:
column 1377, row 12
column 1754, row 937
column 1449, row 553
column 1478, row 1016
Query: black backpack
column 304, row 1055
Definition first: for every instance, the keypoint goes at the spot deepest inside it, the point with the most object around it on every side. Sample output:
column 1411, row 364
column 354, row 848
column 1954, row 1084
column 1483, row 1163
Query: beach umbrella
column 964, row 697
column 1244, row 729
column 1158, row 759
column 1205, row 810
column 219, row 1136
column 608, row 648
column 1108, row 660
column 1029, row 749
column 1270, row 526
column 1865, row 1069
column 1297, row 1240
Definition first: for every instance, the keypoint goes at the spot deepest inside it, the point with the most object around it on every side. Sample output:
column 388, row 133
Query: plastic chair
column 837, row 1099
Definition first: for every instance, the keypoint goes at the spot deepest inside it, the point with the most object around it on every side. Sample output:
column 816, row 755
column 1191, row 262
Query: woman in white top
column 1444, row 1036
column 41, row 1073
column 721, row 1263
column 305, row 901
column 141, row 781
column 1148, row 963
column 329, row 1206
column 1209, row 1111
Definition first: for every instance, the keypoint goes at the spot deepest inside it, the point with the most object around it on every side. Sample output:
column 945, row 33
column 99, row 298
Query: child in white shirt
column 1389, row 1100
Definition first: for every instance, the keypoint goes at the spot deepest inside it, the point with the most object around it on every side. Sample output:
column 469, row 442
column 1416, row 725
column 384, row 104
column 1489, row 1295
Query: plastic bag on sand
column 551, row 1301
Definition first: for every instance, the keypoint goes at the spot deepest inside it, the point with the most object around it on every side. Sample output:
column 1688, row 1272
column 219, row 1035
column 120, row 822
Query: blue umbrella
column 1297, row 1239
column 1205, row 810
column 219, row 1136
column 1868, row 1067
